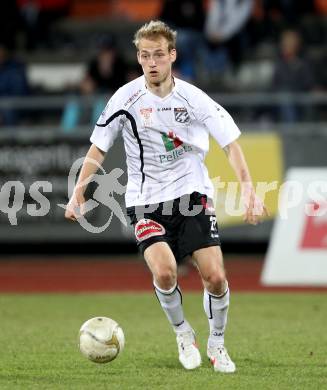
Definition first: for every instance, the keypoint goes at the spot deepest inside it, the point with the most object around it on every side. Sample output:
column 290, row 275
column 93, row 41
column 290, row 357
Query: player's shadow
column 172, row 363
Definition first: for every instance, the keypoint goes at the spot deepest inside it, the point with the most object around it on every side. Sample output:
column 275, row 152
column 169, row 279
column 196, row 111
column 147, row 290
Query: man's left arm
column 254, row 206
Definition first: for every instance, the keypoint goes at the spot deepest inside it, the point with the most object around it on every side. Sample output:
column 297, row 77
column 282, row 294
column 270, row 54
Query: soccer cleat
column 220, row 359
column 189, row 354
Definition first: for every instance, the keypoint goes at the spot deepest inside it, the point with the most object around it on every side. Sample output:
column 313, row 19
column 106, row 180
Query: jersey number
column 213, row 221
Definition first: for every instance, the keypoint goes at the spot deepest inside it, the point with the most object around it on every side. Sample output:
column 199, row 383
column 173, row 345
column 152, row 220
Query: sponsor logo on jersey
column 171, row 141
column 133, row 97
column 175, row 154
column 164, row 109
column 181, row 115
column 146, row 228
column 174, row 146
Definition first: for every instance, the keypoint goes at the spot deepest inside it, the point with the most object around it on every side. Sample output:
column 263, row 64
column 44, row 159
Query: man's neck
column 163, row 89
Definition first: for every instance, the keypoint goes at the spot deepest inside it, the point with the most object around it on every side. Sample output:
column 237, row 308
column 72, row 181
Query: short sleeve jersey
column 166, row 139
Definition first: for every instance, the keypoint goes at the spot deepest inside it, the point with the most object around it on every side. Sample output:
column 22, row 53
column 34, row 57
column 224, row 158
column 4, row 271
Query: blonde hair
column 153, row 30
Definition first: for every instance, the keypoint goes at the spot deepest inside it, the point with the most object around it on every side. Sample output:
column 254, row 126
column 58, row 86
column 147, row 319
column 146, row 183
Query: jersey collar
column 156, row 97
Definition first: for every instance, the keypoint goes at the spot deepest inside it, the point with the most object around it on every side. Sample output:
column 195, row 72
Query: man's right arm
column 93, row 160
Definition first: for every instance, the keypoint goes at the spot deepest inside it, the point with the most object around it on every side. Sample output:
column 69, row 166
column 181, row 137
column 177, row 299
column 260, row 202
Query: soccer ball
column 101, row 339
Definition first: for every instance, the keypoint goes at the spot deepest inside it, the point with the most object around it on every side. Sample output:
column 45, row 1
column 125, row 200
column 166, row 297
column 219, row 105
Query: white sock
column 216, row 308
column 171, row 303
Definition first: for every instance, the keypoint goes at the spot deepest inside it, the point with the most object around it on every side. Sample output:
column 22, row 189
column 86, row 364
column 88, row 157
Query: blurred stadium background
column 60, row 61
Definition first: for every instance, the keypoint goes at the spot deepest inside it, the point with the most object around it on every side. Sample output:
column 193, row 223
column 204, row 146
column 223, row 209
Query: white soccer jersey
column 166, row 139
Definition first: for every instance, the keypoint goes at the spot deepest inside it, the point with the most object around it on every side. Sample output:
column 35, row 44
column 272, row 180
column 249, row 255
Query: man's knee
column 165, row 277
column 162, row 264
column 215, row 281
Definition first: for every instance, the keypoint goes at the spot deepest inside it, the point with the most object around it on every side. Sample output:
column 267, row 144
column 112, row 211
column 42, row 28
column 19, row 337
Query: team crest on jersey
column 146, row 228
column 181, row 115
column 146, row 115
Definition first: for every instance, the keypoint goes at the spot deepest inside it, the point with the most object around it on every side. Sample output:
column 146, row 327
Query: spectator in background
column 224, row 29
column 187, row 17
column 272, row 16
column 106, row 72
column 38, row 17
column 13, row 82
column 288, row 10
column 292, row 73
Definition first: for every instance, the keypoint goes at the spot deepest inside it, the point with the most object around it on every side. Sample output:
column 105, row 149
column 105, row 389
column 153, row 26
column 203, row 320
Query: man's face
column 156, row 60
column 290, row 44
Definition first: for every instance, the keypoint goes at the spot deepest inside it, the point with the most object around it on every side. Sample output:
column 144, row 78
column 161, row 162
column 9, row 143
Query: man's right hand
column 75, row 206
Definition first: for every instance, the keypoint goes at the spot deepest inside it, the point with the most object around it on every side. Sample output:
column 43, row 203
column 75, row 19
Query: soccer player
column 166, row 124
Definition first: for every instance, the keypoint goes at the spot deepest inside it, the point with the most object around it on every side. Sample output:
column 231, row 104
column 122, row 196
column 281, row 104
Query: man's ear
column 138, row 57
column 173, row 55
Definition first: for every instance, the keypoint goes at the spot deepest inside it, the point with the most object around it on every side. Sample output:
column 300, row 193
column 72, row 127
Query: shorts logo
column 146, row 228
column 171, row 141
column 181, row 114
column 207, row 205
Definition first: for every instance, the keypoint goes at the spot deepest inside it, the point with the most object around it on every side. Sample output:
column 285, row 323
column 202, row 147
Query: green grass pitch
column 278, row 341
